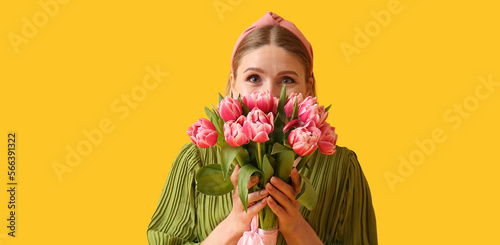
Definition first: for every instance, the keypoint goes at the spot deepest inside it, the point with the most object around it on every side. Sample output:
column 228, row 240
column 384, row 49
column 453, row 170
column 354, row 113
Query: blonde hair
column 277, row 36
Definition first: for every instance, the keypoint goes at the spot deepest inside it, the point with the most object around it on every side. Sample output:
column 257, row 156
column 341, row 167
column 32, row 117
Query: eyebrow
column 254, row 69
column 262, row 71
column 288, row 72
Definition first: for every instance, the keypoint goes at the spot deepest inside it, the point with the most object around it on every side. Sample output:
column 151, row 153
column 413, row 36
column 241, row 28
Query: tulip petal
column 261, row 137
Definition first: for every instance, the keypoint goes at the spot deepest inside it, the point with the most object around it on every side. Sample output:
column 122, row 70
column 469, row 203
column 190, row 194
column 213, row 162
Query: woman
column 270, row 53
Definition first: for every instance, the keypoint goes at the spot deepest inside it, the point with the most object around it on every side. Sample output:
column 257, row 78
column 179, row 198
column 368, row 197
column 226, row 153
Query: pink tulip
column 233, row 132
column 328, row 140
column 258, row 125
column 304, row 140
column 294, row 123
column 309, row 110
column 229, row 109
column 203, row 133
column 290, row 103
column 263, row 100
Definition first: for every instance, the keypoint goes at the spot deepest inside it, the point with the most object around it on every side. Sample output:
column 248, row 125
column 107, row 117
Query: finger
column 234, row 176
column 258, row 195
column 234, row 180
column 294, row 175
column 287, row 189
column 275, row 207
column 279, row 197
column 255, row 209
column 254, row 179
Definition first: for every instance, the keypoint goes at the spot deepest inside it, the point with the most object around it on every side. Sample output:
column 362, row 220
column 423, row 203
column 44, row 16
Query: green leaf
column 283, row 98
column 308, row 197
column 228, row 153
column 328, row 108
column 216, row 112
column 209, row 181
column 217, row 122
column 243, row 106
column 243, row 157
column 267, row 169
column 219, row 158
column 252, row 152
column 282, row 103
column 220, row 97
column 279, row 124
column 220, row 134
column 284, row 165
column 277, row 148
column 217, row 127
column 270, row 219
column 295, row 113
column 280, row 118
column 285, row 141
column 244, row 175
column 210, row 115
column 277, row 135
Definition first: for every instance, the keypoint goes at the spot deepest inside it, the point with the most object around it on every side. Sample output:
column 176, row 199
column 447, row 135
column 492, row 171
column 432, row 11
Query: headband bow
column 272, row 19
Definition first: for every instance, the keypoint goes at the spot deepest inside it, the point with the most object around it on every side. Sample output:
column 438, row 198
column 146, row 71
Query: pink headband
column 272, row 19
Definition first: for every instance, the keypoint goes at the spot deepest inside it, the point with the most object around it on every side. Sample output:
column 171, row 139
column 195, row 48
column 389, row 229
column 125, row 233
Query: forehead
column 271, row 59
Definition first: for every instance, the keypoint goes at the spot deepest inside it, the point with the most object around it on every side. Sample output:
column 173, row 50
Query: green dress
column 343, row 215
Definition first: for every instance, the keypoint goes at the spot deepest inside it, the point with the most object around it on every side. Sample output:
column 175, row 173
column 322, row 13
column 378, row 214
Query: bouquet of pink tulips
column 264, row 135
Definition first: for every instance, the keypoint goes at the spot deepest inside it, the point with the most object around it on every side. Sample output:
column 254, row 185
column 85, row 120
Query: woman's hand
column 292, row 225
column 238, row 217
column 238, row 221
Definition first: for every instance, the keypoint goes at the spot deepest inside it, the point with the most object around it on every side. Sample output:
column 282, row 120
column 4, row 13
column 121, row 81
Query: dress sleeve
column 361, row 225
column 344, row 212
column 175, row 217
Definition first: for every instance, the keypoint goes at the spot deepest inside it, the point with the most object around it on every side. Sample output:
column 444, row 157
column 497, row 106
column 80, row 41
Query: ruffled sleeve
column 175, row 217
column 361, row 228
column 344, row 213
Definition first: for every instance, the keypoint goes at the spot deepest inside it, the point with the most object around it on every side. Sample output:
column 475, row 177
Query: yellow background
column 396, row 90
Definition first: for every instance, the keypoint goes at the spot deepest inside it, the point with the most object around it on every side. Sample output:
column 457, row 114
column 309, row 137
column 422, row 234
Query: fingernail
column 274, row 180
column 254, row 178
column 263, row 192
column 270, row 199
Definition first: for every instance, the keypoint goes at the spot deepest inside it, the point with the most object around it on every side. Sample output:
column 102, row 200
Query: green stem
column 261, row 219
column 259, row 156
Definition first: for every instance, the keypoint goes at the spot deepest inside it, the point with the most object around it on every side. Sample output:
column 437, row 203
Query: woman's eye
column 287, row 80
column 253, row 79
